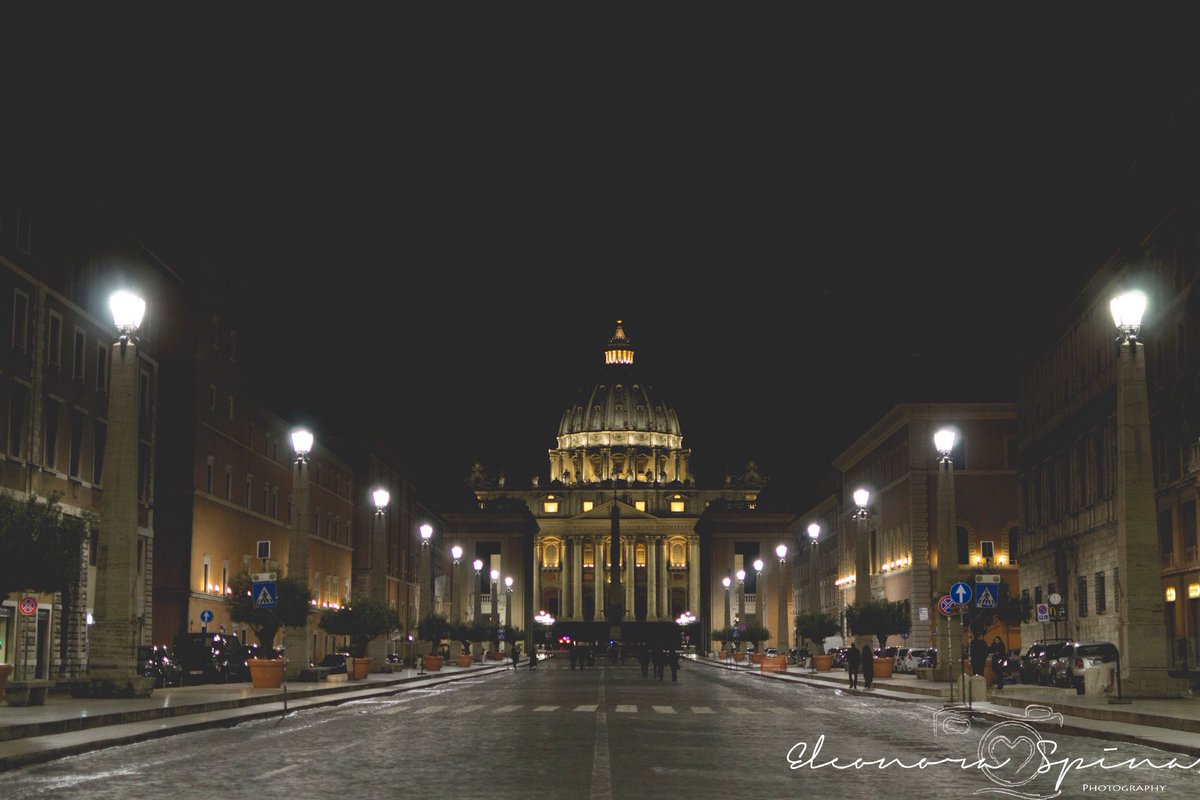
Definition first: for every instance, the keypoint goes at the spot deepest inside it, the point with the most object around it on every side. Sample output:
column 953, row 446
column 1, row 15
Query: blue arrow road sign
column 961, row 593
column 263, row 593
column 206, row 616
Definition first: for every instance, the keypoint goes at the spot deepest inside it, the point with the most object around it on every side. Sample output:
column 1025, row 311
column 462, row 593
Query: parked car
column 888, row 653
column 156, row 661
column 1048, row 663
column 210, row 658
column 1030, row 663
column 908, row 659
column 336, row 663
column 1080, row 657
column 928, row 658
column 839, row 656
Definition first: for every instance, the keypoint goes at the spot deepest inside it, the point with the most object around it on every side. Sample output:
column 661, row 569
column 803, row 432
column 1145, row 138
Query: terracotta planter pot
column 6, row 671
column 495, row 655
column 823, row 662
column 739, row 656
column 266, row 673
column 433, row 663
column 724, row 654
column 464, row 660
column 774, row 664
column 359, row 668
column 757, row 658
column 882, row 667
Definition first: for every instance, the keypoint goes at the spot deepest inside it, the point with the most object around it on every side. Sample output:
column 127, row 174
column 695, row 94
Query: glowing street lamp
column 862, row 516
column 781, row 642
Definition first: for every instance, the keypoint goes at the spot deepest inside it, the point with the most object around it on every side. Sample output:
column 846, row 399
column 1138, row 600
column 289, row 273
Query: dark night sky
column 798, row 238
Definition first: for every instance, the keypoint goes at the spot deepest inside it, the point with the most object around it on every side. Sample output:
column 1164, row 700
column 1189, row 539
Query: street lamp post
column 425, row 590
column 477, row 601
column 297, row 645
column 1143, row 661
column 947, row 563
column 378, row 647
column 781, row 643
column 508, row 584
column 455, row 555
column 741, row 578
column 495, row 615
column 120, row 606
column 727, row 582
column 760, row 594
column 862, row 569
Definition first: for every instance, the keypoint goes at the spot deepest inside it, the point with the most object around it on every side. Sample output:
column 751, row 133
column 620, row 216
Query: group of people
column 980, row 651
column 863, row 660
column 661, row 660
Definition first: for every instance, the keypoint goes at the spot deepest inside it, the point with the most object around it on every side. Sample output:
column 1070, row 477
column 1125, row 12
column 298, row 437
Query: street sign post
column 1043, row 612
column 988, row 596
column 29, row 605
column 206, row 616
column 264, row 593
column 946, row 604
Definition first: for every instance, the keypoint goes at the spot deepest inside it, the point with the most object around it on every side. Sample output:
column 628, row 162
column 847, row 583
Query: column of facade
column 654, row 465
column 577, row 579
column 538, row 551
column 693, row 568
column 630, row 548
column 652, row 614
column 599, row 548
column 664, row 579
column 630, row 464
column 580, row 466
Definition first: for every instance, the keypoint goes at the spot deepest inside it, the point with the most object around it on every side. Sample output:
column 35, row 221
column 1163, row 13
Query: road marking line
column 702, row 710
column 601, row 774
column 740, row 710
column 546, row 708
column 626, row 709
column 469, row 709
column 664, row 709
column 428, row 709
column 586, row 708
column 343, row 747
column 506, row 709
column 820, row 710
column 274, row 772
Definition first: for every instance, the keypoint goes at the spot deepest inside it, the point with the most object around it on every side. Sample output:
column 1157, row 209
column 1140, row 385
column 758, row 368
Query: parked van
column 210, row 658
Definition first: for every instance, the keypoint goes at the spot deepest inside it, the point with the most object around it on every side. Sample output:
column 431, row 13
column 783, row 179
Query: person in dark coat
column 673, row 663
column 516, row 655
column 644, row 660
column 979, row 654
column 999, row 653
column 853, row 662
column 574, row 655
column 868, row 665
column 660, row 663
column 533, row 659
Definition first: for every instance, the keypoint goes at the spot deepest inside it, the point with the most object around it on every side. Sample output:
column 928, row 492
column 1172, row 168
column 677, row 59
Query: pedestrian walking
column 660, row 663
column 673, row 663
column 591, row 657
column 533, row 659
column 644, row 660
column 573, row 653
column 516, row 656
column 999, row 652
column 853, row 662
column 868, row 665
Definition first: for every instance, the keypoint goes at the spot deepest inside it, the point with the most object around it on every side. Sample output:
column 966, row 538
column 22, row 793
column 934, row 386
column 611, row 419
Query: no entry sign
column 28, row 605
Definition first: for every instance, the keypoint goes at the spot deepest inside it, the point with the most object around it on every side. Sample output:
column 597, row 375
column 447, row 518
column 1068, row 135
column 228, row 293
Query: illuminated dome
column 619, row 428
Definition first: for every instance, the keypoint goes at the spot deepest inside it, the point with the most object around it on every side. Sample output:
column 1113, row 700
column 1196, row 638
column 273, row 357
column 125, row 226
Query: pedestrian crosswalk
column 611, row 708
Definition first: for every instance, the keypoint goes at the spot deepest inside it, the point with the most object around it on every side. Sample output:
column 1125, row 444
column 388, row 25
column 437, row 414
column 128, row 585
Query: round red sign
column 28, row 604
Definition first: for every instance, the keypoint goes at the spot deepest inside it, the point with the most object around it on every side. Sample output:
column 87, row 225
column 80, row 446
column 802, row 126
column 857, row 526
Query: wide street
column 607, row 732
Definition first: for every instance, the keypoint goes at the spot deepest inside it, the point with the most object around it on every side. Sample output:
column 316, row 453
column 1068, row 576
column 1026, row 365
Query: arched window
column 550, row 556
column 1014, row 544
column 677, row 559
column 639, row 555
column 964, row 545
column 589, row 555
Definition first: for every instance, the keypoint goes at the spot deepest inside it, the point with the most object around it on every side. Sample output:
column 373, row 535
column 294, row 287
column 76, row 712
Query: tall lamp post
column 947, row 563
column 120, row 595
column 781, row 643
column 495, row 576
column 741, row 578
column 1141, row 638
column 425, row 590
column 297, row 645
column 727, row 582
column 814, row 582
column 476, row 610
column 862, row 569
column 760, row 593
column 378, row 647
column 455, row 555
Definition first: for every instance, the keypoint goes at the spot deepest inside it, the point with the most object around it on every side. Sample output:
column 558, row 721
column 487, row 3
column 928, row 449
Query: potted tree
column 461, row 633
column 362, row 619
column 880, row 618
column 755, row 634
column 480, row 631
column 293, row 600
column 723, row 636
column 817, row 626
column 433, row 628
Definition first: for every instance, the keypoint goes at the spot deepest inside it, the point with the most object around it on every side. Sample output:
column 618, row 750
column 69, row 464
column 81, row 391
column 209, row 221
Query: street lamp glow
column 861, row 496
column 741, row 575
column 508, row 582
column 127, row 310
column 495, row 575
column 781, row 551
column 426, row 533
column 726, row 582
column 456, row 553
column 758, row 565
column 302, row 442
column 1127, row 310
column 814, row 531
column 381, row 498
column 943, row 441
column 478, row 565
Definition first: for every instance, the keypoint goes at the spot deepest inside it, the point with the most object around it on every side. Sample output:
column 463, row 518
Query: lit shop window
column 550, row 504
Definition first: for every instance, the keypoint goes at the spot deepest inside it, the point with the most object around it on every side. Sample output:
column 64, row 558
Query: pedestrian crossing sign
column 263, row 593
column 987, row 595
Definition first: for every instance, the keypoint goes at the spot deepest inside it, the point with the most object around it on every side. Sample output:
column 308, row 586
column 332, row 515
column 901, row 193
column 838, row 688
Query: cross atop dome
column 620, row 349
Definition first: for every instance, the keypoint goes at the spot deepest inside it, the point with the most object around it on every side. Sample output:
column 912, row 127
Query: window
column 1037, row 595
column 208, row 475
column 249, row 490
column 317, row 587
column 589, row 555
column 76, row 442
column 678, row 504
column 206, row 586
column 20, row 331
column 677, row 559
column 100, row 436
column 224, row 577
column 266, row 498
column 550, row 504
column 1101, row 598
column 988, row 551
column 964, row 545
column 275, row 502
column 550, row 557
column 229, row 484
column 52, row 412
column 101, row 368
column 1014, row 544
column 588, row 505
column 640, row 505
column 54, row 341
column 78, row 355
column 1082, row 600
column 17, row 401
column 639, row 555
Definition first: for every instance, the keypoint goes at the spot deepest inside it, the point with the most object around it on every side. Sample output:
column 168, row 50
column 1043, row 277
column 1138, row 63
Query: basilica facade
column 614, row 536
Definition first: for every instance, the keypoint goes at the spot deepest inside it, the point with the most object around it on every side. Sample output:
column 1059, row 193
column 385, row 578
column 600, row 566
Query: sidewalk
column 1170, row 724
column 66, row 725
